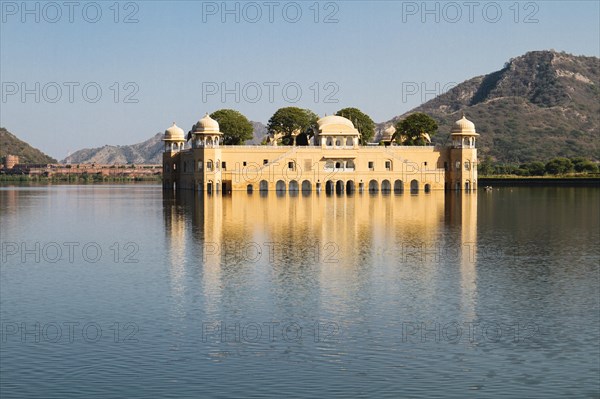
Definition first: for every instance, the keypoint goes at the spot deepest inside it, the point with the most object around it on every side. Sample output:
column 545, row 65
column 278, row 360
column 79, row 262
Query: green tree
column 583, row 165
column 290, row 121
column 536, row 168
column 361, row 121
column 410, row 130
column 236, row 128
column 559, row 166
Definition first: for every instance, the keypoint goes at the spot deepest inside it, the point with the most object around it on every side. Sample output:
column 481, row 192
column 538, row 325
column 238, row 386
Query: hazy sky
column 85, row 74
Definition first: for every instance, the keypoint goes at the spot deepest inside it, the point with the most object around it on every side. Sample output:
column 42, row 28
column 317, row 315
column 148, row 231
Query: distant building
column 10, row 161
column 332, row 161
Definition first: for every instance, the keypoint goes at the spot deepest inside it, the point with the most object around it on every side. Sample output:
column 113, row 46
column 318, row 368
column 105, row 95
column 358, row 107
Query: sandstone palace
column 333, row 161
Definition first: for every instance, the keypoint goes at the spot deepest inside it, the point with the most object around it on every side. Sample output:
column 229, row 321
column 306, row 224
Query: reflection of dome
column 174, row 133
column 463, row 126
column 206, row 125
column 336, row 124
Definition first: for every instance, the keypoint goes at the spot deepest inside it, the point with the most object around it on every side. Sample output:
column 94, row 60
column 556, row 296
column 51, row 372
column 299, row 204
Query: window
column 199, row 166
column 388, row 165
column 457, row 165
column 371, row 167
column 209, row 165
column 425, row 163
column 467, row 165
column 446, row 166
column 244, row 163
column 291, row 165
column 265, row 161
column 224, row 165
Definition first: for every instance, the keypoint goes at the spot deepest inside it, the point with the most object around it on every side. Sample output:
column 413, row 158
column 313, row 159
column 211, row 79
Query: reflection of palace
column 331, row 242
column 332, row 161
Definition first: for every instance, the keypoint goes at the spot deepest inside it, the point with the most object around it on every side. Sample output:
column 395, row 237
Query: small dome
column 388, row 133
column 206, row 125
column 335, row 120
column 336, row 125
column 463, row 126
column 174, row 133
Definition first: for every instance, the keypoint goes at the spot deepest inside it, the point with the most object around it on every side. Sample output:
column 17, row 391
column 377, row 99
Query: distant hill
column 146, row 152
column 260, row 131
column 11, row 145
column 540, row 105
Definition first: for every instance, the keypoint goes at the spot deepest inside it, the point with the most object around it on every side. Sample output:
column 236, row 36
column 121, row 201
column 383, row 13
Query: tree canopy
column 290, row 121
column 412, row 129
column 236, row 128
column 361, row 121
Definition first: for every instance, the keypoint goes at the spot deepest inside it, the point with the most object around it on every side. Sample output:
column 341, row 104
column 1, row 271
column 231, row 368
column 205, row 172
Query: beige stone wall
column 274, row 167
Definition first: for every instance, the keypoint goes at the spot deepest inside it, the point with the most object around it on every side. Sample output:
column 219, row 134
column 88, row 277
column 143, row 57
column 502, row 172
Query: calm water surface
column 122, row 291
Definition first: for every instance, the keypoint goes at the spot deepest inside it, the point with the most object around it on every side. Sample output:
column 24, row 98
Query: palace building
column 332, row 161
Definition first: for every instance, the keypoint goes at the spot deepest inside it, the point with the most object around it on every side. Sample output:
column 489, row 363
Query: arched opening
column 249, row 189
column 373, row 186
column 398, row 187
column 350, row 186
column 209, row 187
column 427, row 188
column 329, row 187
column 306, row 186
column 329, row 142
column 338, row 143
column 349, row 142
column 263, row 186
column 386, row 186
column 293, row 186
column 338, row 165
column 209, row 142
column 280, row 186
column 467, row 185
column 329, row 165
column 414, row 186
column 350, row 165
column 339, row 186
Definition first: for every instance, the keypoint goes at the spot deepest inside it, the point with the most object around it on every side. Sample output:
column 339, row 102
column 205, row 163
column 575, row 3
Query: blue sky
column 156, row 62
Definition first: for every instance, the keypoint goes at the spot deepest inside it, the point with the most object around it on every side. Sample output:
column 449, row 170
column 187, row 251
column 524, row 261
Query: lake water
column 123, row 291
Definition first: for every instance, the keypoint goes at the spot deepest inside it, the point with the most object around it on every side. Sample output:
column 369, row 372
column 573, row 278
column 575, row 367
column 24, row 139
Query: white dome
column 174, row 133
column 335, row 120
column 388, row 133
column 463, row 126
column 336, row 125
column 206, row 125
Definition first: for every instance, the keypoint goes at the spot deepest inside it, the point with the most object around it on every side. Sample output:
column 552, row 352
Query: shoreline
column 572, row 181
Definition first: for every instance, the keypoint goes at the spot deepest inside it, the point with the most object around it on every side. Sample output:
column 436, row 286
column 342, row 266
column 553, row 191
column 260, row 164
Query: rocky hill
column 146, row 152
column 540, row 105
column 11, row 145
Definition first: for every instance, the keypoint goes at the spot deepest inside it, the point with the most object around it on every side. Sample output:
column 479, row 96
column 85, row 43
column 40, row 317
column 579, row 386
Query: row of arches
column 341, row 186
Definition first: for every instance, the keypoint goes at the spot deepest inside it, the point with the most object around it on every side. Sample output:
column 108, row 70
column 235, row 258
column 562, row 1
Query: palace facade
column 332, row 161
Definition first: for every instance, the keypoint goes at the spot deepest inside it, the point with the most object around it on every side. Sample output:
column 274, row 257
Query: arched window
column 200, row 164
column 209, row 165
column 467, row 165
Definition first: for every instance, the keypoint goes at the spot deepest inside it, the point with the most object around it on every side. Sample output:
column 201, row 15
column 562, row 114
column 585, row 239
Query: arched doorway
column 398, row 187
column 467, row 185
column 280, row 186
column 339, row 186
column 249, row 189
column 294, row 186
column 328, row 187
column 414, row 186
column 373, row 186
column 386, row 186
column 427, row 188
column 306, row 186
column 350, row 186
column 263, row 186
